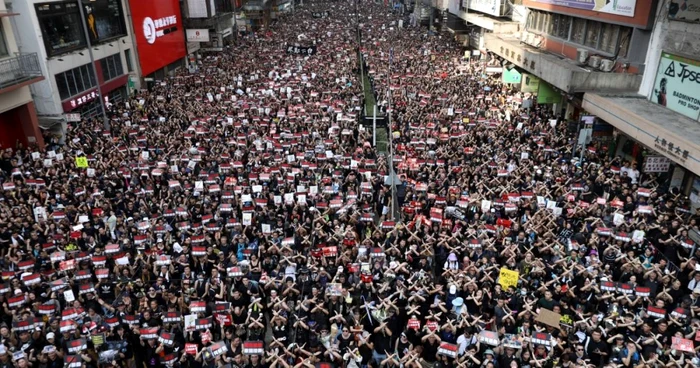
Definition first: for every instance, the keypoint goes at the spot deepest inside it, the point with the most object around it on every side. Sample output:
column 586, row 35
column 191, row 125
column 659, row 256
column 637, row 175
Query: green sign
column 512, row 76
column 677, row 85
column 530, row 83
column 547, row 95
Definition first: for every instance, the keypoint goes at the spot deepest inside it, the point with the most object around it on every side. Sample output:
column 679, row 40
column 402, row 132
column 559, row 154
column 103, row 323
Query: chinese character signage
column 617, row 7
column 685, row 10
column 677, row 84
column 657, row 164
column 160, row 37
column 297, row 50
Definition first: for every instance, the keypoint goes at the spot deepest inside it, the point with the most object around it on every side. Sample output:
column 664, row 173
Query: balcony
column 18, row 71
column 561, row 72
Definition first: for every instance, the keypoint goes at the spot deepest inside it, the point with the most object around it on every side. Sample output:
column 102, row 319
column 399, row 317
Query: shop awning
column 672, row 134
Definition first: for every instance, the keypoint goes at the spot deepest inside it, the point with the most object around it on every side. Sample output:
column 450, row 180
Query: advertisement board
column 159, row 34
column 677, row 83
column 512, row 76
column 197, row 35
column 530, row 83
column 624, row 8
column 491, row 7
column 685, row 10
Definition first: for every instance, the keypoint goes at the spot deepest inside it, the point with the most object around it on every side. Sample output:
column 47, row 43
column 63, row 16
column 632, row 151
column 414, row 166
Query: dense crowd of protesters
column 238, row 216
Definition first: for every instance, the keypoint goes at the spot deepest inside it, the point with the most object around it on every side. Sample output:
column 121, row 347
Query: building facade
column 662, row 118
column 18, row 71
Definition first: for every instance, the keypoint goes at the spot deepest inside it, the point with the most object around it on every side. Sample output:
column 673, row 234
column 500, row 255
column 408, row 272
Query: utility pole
column 392, row 174
column 105, row 121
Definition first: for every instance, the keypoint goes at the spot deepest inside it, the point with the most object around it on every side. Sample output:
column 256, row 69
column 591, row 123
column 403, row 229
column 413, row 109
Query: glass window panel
column 127, row 55
column 556, row 19
column 118, row 68
column 62, row 85
column 540, row 21
column 625, row 36
column 70, row 81
column 548, row 24
column 61, row 27
column 105, row 20
column 564, row 25
column 592, row 33
column 91, row 74
column 608, row 38
column 578, row 30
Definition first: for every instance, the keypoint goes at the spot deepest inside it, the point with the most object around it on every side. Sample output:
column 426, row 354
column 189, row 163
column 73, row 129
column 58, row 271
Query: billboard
column 491, row 7
column 197, row 35
column 624, row 8
column 677, row 84
column 160, row 37
column 685, row 10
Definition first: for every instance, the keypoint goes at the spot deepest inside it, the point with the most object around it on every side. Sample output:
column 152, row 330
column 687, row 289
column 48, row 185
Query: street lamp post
column 94, row 67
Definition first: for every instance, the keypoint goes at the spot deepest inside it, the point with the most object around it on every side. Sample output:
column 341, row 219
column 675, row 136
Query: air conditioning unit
column 594, row 61
column 607, row 65
column 582, row 56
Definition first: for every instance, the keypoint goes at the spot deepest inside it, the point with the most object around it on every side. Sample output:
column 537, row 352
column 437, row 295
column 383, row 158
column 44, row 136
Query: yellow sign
column 81, row 162
column 465, row 120
column 508, row 278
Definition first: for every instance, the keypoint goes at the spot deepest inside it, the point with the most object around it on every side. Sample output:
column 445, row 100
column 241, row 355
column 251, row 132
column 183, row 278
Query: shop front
column 87, row 104
column 662, row 142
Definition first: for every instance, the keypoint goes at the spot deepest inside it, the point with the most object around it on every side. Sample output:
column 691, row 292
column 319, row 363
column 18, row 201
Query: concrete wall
column 18, row 97
column 46, row 96
column 680, row 38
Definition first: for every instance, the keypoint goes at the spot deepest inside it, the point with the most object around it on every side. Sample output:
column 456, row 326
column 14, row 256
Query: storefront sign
column 671, row 148
column 677, row 84
column 72, row 118
column 616, row 7
column 82, row 100
column 491, row 7
column 657, row 164
column 197, row 35
column 686, row 10
column 159, row 34
column 530, row 83
column 512, row 76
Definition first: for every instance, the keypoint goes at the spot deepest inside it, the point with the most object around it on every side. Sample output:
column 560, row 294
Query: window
column 578, row 30
column 61, row 27
column 105, row 20
column 592, row 32
column 564, row 27
column 75, row 81
column 3, row 42
column 111, row 67
column 608, row 38
column 127, row 55
column 625, row 36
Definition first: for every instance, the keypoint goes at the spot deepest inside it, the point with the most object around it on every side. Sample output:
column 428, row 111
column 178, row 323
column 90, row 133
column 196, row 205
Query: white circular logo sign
column 149, row 30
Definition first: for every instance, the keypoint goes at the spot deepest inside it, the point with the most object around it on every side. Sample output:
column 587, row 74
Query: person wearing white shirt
column 695, row 282
column 465, row 340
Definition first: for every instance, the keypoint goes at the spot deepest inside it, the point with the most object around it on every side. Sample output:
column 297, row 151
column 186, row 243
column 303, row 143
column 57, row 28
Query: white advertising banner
column 197, row 35
column 618, row 7
column 491, row 7
column 677, row 85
